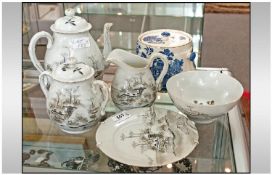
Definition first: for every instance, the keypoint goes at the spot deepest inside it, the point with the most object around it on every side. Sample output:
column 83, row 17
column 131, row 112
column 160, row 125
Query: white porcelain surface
column 71, row 38
column 204, row 95
column 75, row 105
column 133, row 85
column 147, row 137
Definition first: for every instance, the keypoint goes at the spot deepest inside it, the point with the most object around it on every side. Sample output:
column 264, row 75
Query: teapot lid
column 70, row 23
column 72, row 71
column 165, row 38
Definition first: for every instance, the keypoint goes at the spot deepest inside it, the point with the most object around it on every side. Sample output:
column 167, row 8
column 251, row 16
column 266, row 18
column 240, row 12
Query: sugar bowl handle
column 105, row 91
column 44, row 79
column 164, row 69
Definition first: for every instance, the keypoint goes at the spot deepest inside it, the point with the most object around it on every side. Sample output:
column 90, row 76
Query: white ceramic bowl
column 204, row 95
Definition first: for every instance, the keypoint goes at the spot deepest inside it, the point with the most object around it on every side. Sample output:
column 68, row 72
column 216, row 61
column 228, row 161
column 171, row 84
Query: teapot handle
column 32, row 48
column 44, row 82
column 164, row 69
column 105, row 92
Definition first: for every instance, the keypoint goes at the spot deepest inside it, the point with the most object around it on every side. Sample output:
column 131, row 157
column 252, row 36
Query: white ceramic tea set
column 77, row 97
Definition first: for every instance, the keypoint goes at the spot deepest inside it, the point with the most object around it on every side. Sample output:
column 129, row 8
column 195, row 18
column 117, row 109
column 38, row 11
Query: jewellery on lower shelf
column 81, row 163
column 181, row 166
column 118, row 167
column 42, row 161
column 47, row 158
column 74, row 163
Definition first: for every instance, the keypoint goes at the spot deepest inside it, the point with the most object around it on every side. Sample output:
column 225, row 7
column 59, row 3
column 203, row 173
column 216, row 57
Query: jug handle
column 164, row 69
column 32, row 48
column 105, row 92
column 43, row 80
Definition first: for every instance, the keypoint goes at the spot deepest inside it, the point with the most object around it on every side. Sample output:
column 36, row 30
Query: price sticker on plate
column 121, row 117
column 80, row 43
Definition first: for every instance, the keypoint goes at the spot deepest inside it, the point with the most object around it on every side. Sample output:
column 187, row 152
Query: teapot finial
column 70, row 12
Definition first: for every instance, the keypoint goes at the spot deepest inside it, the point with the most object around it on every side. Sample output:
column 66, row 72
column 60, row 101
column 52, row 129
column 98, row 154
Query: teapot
column 133, row 85
column 75, row 100
column 71, row 38
column 175, row 44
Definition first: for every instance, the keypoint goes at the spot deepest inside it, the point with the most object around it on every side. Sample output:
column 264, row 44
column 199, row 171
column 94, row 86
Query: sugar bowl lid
column 70, row 23
column 165, row 38
column 71, row 71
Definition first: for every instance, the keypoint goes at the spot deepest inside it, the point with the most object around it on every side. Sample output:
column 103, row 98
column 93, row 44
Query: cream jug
column 133, row 85
column 75, row 100
column 71, row 38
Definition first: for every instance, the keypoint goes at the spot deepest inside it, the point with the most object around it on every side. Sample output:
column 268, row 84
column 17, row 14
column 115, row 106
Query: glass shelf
column 213, row 154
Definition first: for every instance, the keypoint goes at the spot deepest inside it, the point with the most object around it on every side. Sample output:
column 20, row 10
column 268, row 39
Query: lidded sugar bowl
column 176, row 45
column 75, row 100
column 71, row 38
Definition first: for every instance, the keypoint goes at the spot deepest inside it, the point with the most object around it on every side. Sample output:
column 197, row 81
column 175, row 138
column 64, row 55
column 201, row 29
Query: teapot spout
column 107, row 43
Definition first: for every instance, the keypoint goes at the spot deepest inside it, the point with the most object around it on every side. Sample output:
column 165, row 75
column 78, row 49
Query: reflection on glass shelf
column 158, row 9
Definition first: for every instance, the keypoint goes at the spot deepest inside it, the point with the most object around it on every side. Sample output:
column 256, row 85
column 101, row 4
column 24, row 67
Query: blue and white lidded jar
column 176, row 45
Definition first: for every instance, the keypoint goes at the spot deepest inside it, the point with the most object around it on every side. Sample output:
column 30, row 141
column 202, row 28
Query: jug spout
column 126, row 60
column 115, row 57
column 107, row 43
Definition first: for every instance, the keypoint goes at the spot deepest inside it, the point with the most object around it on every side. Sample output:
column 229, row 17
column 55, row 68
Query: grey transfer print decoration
column 159, row 133
column 70, row 21
column 191, row 112
column 66, row 108
column 96, row 66
column 151, row 136
column 136, row 92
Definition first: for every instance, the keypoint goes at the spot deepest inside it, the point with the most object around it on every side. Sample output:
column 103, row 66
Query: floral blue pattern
column 149, row 50
column 168, row 53
column 143, row 55
column 138, row 47
column 165, row 34
column 192, row 56
column 175, row 67
column 175, row 64
column 153, row 39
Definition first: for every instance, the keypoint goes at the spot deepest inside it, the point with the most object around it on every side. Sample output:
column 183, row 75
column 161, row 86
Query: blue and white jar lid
column 165, row 38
